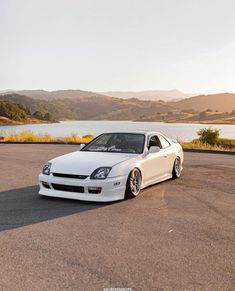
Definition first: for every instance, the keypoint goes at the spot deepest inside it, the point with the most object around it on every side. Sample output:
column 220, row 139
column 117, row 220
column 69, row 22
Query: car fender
column 124, row 168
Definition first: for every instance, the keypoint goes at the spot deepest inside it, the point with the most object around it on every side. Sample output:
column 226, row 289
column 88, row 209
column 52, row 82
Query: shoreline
column 15, row 123
column 189, row 122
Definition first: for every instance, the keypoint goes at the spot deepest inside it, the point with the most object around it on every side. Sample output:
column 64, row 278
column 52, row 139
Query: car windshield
column 131, row 143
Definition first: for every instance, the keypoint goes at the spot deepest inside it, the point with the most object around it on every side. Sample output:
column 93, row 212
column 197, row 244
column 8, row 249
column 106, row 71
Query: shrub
column 209, row 136
column 227, row 143
column 48, row 116
column 38, row 115
column 89, row 137
column 12, row 110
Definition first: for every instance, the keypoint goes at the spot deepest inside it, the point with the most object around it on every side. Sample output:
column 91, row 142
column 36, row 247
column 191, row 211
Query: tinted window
column 154, row 141
column 164, row 142
column 117, row 143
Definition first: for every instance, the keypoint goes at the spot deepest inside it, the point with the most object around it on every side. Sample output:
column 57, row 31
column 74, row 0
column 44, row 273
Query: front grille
column 68, row 188
column 83, row 177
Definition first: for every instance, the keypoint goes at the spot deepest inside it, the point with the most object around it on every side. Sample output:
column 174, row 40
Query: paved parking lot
column 177, row 235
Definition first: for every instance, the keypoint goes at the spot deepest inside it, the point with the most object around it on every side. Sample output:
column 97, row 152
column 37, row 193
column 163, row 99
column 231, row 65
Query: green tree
column 38, row 115
column 48, row 116
column 24, row 108
column 12, row 110
column 209, row 135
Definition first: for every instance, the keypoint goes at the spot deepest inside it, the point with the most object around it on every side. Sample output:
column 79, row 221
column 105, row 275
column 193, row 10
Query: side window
column 154, row 141
column 163, row 141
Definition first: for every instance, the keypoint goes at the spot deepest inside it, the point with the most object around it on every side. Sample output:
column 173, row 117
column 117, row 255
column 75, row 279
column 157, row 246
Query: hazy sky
column 118, row 44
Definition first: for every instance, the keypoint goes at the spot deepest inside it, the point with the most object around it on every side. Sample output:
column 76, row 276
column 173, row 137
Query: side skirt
column 167, row 177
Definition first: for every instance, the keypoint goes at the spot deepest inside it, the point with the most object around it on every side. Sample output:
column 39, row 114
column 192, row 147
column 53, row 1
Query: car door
column 154, row 165
column 169, row 153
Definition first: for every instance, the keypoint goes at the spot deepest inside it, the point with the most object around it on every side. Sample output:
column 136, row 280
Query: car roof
column 136, row 132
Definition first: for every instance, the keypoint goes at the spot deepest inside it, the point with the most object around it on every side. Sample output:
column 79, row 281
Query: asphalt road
column 177, row 235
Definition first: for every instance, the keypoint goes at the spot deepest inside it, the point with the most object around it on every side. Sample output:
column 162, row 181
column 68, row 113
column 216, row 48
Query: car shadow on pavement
column 23, row 206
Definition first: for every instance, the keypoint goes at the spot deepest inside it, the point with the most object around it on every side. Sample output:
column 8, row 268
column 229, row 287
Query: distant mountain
column 224, row 102
column 154, row 95
column 84, row 105
column 91, row 108
column 49, row 95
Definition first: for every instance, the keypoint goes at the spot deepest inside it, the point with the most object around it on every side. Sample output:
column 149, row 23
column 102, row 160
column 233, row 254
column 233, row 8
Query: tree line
column 20, row 112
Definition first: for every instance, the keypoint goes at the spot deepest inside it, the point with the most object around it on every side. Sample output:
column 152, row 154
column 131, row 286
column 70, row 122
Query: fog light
column 94, row 190
column 45, row 185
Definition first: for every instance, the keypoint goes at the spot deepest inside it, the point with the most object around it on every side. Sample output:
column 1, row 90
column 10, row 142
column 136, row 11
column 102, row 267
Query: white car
column 113, row 166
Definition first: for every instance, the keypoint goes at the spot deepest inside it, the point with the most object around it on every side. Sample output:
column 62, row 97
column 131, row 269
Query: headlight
column 101, row 173
column 47, row 169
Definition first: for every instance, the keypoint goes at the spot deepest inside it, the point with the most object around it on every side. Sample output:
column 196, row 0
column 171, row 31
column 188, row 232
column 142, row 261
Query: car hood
column 84, row 163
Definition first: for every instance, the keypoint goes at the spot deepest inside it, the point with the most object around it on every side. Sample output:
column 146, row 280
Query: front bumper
column 112, row 188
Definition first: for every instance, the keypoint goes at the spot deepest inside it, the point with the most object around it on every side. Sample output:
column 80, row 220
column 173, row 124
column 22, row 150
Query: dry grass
column 29, row 136
column 223, row 145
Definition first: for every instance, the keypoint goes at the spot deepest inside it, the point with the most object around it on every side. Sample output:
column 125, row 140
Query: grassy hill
column 224, row 102
column 59, row 94
column 154, row 95
column 85, row 106
column 93, row 108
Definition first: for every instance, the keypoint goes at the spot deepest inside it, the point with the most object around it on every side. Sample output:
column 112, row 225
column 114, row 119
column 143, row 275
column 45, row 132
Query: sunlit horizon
column 121, row 45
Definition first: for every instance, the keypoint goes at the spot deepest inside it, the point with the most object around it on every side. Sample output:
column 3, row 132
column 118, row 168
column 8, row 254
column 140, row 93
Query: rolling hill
column 224, row 102
column 83, row 105
column 154, row 95
column 93, row 108
column 51, row 95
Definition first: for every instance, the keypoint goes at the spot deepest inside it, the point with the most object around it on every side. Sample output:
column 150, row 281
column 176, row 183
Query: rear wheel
column 133, row 184
column 177, row 168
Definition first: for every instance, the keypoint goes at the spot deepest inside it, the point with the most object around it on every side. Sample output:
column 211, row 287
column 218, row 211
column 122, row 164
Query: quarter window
column 154, row 141
column 163, row 141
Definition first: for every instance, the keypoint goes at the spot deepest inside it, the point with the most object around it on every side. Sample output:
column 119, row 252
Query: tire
column 133, row 184
column 177, row 168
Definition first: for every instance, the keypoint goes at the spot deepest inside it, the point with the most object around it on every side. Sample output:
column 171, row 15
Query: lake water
column 180, row 131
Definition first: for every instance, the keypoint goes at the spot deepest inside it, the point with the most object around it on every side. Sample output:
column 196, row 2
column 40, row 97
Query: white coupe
column 113, row 166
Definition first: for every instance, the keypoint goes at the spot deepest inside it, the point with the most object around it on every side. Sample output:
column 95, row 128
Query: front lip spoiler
column 109, row 192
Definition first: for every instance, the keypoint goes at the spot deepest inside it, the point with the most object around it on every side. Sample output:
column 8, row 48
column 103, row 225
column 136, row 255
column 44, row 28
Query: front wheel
column 177, row 168
column 133, row 184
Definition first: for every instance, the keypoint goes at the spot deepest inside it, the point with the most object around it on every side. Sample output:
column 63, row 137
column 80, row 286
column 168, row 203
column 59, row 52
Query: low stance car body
column 113, row 166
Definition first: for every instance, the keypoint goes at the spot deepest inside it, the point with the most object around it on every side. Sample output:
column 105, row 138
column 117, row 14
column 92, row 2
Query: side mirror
column 82, row 146
column 154, row 149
